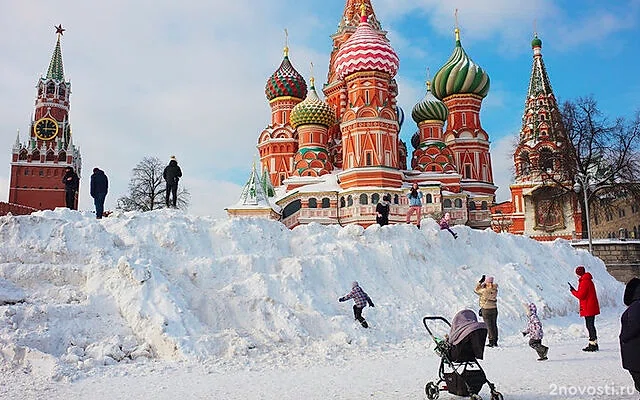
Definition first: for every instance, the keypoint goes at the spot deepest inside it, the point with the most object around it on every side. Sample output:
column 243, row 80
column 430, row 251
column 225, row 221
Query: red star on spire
column 59, row 29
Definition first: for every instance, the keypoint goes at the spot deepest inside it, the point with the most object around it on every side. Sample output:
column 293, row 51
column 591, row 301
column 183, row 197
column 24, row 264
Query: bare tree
column 603, row 156
column 147, row 188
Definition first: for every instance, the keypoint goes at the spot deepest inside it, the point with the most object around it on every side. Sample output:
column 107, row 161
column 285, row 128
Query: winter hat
column 354, row 284
column 96, row 169
column 532, row 309
column 447, row 216
column 173, row 158
column 580, row 270
column 632, row 291
column 489, row 279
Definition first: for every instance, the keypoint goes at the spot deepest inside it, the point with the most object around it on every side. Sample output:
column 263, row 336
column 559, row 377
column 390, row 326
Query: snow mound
column 78, row 293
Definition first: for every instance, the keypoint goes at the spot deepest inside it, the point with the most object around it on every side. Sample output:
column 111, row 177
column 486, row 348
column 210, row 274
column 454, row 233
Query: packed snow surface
column 162, row 296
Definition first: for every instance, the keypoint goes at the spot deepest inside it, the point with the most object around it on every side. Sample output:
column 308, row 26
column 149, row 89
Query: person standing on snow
column 172, row 174
column 99, row 189
column 415, row 203
column 444, row 224
column 534, row 330
column 361, row 299
column 71, row 182
column 488, row 292
column 382, row 210
column 589, row 306
column 630, row 331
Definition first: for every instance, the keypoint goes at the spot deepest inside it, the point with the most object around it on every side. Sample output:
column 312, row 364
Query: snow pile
column 80, row 292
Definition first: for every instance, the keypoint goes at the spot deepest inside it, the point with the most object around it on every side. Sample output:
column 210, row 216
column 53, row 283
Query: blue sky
column 187, row 78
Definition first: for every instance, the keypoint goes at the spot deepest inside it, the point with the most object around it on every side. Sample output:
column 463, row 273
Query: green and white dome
column 429, row 108
column 460, row 75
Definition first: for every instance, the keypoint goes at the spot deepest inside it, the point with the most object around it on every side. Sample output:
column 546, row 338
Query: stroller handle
column 433, row 318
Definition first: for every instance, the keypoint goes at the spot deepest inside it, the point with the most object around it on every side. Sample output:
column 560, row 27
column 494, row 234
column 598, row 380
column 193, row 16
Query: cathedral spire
column 353, row 14
column 56, row 70
column 539, row 82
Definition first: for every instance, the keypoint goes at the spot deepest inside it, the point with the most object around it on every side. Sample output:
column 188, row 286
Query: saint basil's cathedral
column 331, row 161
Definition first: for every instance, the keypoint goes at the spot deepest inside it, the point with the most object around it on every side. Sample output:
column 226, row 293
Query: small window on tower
column 26, row 172
column 467, row 171
column 41, row 173
column 368, row 159
column 464, row 119
column 366, row 97
column 62, row 91
column 51, row 88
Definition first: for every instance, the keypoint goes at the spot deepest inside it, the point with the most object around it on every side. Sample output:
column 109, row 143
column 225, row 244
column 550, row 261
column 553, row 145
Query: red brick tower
column 462, row 85
column 365, row 66
column 37, row 167
column 278, row 143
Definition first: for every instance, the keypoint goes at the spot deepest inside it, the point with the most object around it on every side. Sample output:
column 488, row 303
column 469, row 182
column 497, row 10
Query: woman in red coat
column 589, row 306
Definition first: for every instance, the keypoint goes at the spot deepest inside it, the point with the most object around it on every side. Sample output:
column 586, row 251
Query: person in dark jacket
column 630, row 331
column 589, row 306
column 99, row 189
column 172, row 174
column 360, row 299
column 71, row 182
column 382, row 210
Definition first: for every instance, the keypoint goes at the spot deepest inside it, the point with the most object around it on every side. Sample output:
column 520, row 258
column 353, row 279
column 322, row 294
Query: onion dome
column 400, row 116
column 415, row 140
column 366, row 50
column 460, row 75
column 536, row 42
column 312, row 110
column 429, row 108
column 286, row 81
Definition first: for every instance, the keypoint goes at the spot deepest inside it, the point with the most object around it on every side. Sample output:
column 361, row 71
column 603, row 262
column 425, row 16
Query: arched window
column 51, row 88
column 23, row 154
column 62, row 91
column 484, row 205
column 458, row 203
column 364, row 199
column 447, row 203
column 396, row 199
column 525, row 164
column 342, row 202
column 472, row 205
column 50, row 156
column 313, row 203
column 62, row 156
column 326, row 202
column 375, row 198
column 545, row 160
column 428, row 198
column 349, row 201
column 291, row 208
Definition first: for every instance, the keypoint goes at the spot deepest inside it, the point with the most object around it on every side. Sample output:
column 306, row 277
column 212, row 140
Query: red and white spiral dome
column 366, row 50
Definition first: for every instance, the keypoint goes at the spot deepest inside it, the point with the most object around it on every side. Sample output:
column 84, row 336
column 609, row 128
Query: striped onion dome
column 366, row 50
column 286, row 81
column 460, row 75
column 429, row 108
column 312, row 110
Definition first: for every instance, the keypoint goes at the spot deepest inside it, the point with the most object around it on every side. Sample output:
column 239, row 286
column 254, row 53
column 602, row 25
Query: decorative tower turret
column 431, row 154
column 461, row 84
column 540, row 209
column 278, row 143
column 37, row 167
column 367, row 63
column 312, row 119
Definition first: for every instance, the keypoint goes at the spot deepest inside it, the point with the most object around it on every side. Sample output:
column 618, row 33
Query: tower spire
column 286, row 42
column 457, row 30
column 56, row 69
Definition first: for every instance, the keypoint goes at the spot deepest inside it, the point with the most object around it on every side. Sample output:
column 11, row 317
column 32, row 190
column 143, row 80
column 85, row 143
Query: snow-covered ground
column 166, row 305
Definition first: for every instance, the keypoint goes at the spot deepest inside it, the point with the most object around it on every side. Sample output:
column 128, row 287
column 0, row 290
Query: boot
column 543, row 353
column 364, row 324
column 593, row 346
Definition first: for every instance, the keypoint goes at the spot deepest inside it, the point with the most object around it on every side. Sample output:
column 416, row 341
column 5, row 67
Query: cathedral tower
column 540, row 209
column 278, row 143
column 37, row 167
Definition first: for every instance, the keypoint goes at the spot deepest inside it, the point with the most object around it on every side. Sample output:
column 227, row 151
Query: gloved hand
column 571, row 287
column 524, row 333
column 482, row 279
column 341, row 299
column 371, row 303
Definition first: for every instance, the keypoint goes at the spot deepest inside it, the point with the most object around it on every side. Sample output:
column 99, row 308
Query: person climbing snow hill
column 361, row 299
column 534, row 330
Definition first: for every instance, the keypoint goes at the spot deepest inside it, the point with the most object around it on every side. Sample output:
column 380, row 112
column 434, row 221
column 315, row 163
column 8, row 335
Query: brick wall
column 622, row 257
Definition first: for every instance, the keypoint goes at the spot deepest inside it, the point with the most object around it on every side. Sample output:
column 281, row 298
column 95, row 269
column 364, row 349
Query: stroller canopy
column 463, row 324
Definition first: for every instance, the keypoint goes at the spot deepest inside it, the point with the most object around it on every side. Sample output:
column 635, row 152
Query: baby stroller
column 459, row 372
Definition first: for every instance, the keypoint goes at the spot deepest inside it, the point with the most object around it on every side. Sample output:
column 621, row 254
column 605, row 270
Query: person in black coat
column 630, row 331
column 99, row 189
column 382, row 210
column 172, row 174
column 71, row 182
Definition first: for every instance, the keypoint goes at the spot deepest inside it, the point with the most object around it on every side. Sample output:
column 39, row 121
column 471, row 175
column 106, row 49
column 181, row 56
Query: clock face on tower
column 45, row 128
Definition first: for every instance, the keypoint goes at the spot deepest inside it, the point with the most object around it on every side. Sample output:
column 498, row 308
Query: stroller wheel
column 475, row 397
column 496, row 396
column 432, row 391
